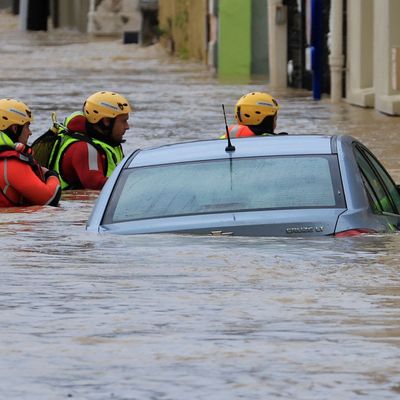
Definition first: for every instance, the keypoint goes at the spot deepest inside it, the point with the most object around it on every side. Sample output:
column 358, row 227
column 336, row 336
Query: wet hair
column 266, row 126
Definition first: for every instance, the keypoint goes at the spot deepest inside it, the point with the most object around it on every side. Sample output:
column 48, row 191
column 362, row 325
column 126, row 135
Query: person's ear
column 14, row 128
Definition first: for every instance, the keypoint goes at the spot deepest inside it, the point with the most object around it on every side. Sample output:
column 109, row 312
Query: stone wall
column 183, row 25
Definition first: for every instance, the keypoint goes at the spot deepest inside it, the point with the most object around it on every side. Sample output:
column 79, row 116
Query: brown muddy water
column 181, row 317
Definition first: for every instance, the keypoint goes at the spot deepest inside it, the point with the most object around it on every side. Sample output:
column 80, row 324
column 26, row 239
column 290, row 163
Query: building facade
column 361, row 49
column 346, row 49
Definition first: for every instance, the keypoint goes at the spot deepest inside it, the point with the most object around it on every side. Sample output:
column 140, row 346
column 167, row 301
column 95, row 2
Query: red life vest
column 23, row 154
column 237, row 131
column 240, row 131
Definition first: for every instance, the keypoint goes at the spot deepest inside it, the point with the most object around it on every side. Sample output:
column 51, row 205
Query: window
column 380, row 186
column 226, row 186
column 387, row 180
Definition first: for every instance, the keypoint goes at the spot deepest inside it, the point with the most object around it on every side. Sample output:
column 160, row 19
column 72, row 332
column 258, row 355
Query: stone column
column 71, row 14
column 386, row 40
column 277, row 43
column 360, row 38
column 213, row 33
column 23, row 14
column 336, row 58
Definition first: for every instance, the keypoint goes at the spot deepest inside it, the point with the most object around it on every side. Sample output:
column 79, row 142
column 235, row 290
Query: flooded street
column 169, row 317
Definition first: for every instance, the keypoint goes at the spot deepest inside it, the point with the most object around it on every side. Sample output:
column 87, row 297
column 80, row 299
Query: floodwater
column 168, row 317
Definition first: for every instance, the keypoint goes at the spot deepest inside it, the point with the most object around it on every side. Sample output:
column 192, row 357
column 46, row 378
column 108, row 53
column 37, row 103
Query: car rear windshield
column 216, row 186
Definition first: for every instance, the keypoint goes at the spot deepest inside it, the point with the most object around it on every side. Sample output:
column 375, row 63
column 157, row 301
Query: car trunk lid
column 290, row 223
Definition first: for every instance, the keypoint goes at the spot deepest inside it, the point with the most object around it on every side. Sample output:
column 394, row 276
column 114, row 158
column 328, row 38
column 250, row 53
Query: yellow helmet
column 13, row 112
column 252, row 108
column 105, row 105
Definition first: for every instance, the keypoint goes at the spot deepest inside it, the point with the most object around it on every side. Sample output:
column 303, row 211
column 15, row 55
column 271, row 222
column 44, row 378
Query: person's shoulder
column 76, row 122
column 17, row 166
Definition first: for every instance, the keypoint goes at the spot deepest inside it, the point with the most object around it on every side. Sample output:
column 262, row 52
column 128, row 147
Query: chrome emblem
column 220, row 233
column 304, row 229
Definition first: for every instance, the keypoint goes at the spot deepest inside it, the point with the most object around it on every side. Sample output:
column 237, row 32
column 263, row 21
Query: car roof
column 244, row 147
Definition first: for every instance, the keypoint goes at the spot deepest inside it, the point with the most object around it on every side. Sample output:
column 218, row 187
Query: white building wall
column 336, row 57
column 113, row 17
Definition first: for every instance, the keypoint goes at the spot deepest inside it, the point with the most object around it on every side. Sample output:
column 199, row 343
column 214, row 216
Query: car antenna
column 230, row 147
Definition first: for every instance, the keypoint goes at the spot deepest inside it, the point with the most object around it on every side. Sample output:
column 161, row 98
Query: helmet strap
column 111, row 126
column 19, row 130
column 267, row 126
column 238, row 114
column 102, row 132
column 14, row 135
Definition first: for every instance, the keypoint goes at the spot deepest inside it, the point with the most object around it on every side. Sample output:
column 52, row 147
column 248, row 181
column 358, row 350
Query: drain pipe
column 336, row 57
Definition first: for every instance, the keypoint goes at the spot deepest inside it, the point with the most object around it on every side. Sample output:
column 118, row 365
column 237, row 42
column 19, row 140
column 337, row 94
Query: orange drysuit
column 22, row 182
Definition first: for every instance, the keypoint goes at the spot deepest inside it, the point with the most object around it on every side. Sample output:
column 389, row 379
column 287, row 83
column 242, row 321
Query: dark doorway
column 38, row 12
column 300, row 76
column 259, row 38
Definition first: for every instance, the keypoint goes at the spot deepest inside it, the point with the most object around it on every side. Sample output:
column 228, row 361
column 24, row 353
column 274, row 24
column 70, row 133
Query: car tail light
column 354, row 232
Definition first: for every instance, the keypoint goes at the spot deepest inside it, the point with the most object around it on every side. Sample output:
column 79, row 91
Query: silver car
column 284, row 185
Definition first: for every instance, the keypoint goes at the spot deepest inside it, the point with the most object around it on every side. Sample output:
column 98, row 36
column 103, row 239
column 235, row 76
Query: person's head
column 108, row 114
column 15, row 120
column 258, row 111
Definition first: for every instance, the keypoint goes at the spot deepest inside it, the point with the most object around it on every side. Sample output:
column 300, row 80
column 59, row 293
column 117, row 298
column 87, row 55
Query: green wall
column 234, row 41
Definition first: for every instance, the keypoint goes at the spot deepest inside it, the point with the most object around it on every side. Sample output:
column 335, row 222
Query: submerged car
column 284, row 185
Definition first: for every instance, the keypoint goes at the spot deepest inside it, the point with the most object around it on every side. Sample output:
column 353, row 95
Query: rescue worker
column 256, row 115
column 90, row 148
column 23, row 181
